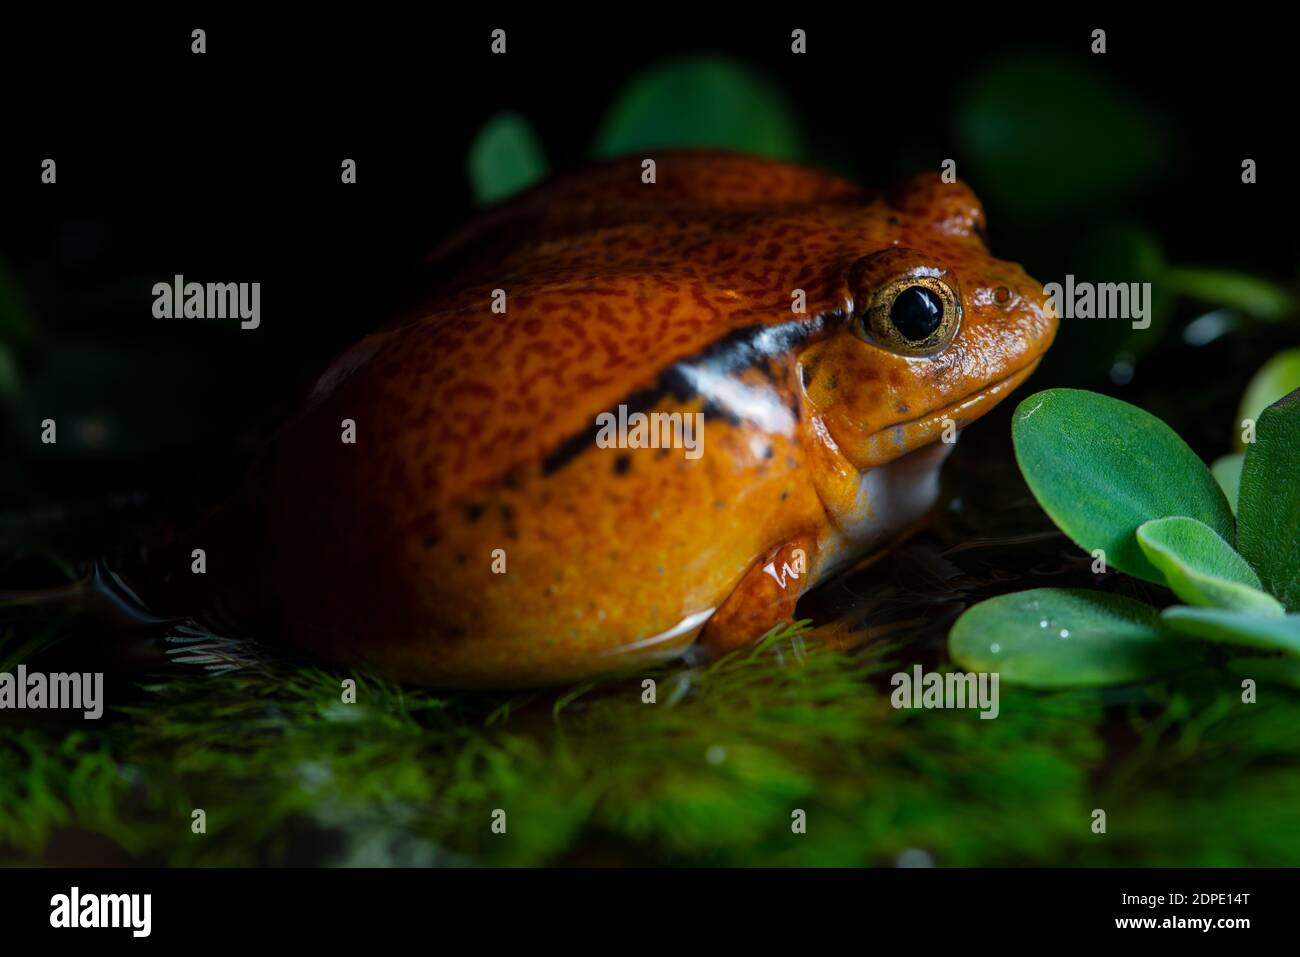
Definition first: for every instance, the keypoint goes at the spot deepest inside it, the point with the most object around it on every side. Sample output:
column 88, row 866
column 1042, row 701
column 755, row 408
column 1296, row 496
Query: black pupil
column 916, row 313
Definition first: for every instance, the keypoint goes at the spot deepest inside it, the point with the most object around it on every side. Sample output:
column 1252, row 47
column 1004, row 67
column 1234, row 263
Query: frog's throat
column 887, row 500
column 901, row 438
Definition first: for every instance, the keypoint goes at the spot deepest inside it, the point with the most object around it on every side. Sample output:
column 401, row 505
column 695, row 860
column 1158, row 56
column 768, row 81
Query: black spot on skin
column 785, row 495
column 474, row 512
column 511, row 480
column 461, row 557
column 622, row 465
column 769, row 452
column 507, row 514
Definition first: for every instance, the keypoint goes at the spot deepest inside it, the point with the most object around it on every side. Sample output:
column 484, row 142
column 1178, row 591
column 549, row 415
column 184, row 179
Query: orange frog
column 639, row 415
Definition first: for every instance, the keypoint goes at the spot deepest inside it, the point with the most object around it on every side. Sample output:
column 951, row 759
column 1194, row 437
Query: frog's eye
column 903, row 300
column 914, row 315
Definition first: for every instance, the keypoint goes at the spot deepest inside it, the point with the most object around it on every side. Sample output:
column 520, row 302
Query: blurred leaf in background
column 505, row 158
column 1278, row 377
column 1046, row 138
column 1113, row 253
column 706, row 102
column 1258, row 298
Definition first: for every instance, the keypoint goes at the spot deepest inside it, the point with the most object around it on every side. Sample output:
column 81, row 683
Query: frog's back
column 605, row 282
column 688, row 187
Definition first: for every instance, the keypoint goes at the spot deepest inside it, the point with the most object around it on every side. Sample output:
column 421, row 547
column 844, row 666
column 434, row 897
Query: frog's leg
column 765, row 597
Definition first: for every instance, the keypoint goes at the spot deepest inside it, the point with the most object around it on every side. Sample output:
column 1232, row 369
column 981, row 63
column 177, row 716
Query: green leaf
column 1203, row 569
column 1019, row 121
column 701, row 102
column 1065, row 638
column 1252, row 295
column 1227, row 472
column 1268, row 511
column 504, row 158
column 1280, row 671
column 1101, row 467
column 1278, row 377
column 1269, row 632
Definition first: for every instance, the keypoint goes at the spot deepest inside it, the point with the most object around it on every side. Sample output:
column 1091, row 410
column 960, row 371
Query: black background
column 499, row 908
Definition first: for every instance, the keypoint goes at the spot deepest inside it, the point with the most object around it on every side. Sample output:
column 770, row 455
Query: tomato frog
column 468, row 497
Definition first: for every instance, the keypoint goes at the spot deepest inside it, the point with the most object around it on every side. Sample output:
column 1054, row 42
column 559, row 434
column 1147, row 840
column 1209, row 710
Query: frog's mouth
column 903, row 437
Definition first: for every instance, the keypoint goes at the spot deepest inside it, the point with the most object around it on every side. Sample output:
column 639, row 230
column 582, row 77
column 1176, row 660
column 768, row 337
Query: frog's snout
column 1007, row 324
column 1012, row 318
column 1037, row 318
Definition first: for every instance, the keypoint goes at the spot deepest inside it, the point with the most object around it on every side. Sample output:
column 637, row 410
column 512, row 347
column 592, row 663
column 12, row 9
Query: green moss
column 710, row 774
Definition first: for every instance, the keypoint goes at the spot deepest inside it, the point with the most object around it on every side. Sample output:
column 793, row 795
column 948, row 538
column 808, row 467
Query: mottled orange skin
column 475, row 431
